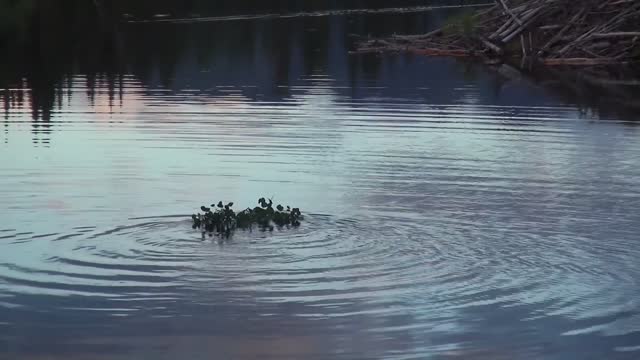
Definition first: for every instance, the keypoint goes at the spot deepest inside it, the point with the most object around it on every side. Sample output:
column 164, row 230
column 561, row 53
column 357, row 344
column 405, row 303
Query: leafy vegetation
column 221, row 219
column 462, row 24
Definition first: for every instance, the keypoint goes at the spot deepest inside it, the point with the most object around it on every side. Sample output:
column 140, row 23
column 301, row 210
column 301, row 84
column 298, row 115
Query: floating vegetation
column 221, row 219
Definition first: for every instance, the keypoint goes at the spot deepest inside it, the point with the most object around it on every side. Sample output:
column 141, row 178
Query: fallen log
column 418, row 37
column 561, row 33
column 510, row 13
column 580, row 61
column 533, row 16
column 616, row 34
column 549, row 27
column 493, row 47
column 441, row 52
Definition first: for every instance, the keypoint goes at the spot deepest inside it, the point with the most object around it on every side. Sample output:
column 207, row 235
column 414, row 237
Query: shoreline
column 593, row 33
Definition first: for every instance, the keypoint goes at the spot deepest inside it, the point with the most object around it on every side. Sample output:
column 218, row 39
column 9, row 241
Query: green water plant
column 221, row 219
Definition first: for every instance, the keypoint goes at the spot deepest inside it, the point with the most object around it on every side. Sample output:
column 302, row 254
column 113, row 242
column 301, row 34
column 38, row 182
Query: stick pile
column 554, row 32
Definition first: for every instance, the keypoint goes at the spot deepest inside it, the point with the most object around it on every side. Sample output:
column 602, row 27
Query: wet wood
column 529, row 19
column 617, row 34
column 510, row 13
column 493, row 47
column 550, row 27
column 561, row 33
column 418, row 37
column 440, row 52
column 580, row 61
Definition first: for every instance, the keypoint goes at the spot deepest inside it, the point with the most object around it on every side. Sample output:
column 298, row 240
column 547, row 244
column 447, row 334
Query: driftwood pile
column 553, row 32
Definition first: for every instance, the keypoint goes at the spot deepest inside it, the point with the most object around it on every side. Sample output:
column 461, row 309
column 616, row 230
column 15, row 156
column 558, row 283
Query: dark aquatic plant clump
column 221, row 219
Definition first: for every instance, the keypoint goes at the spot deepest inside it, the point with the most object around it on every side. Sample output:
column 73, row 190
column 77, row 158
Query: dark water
column 453, row 212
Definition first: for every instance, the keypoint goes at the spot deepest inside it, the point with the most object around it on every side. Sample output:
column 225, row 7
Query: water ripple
column 455, row 228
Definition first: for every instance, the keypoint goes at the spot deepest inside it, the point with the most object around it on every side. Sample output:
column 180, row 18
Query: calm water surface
column 452, row 212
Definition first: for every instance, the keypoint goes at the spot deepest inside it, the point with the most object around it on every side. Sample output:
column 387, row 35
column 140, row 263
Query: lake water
column 452, row 212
